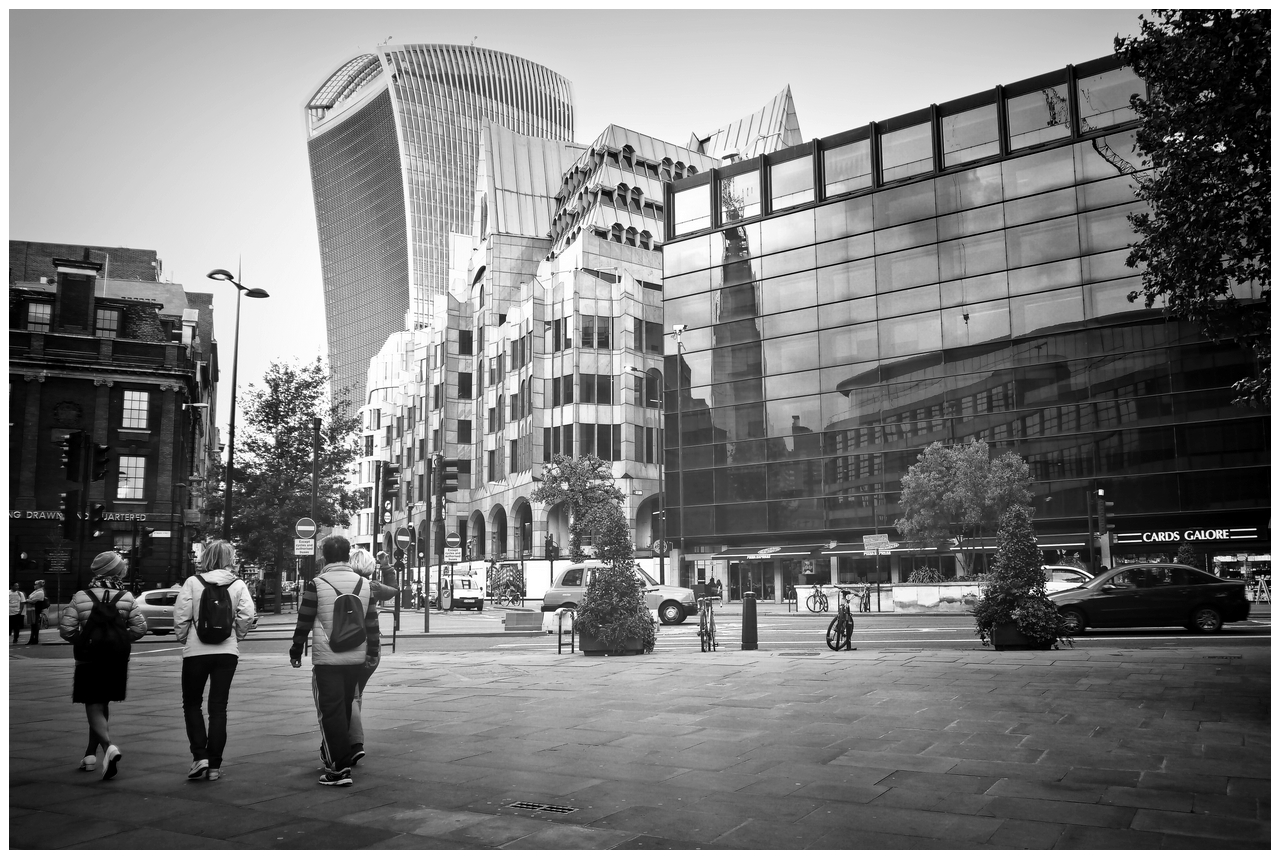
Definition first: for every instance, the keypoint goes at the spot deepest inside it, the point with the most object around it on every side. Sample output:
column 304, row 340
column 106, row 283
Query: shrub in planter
column 613, row 610
column 925, row 576
column 1014, row 592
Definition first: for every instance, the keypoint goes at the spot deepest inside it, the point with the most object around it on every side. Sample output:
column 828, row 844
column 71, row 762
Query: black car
column 1153, row 595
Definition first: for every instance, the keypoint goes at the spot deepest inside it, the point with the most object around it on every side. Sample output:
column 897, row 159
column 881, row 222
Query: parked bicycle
column 817, row 601
column 864, row 598
column 508, row 597
column 707, row 625
column 840, row 631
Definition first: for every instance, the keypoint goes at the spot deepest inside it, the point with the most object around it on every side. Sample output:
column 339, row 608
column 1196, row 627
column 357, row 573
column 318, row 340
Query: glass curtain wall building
column 393, row 138
column 951, row 274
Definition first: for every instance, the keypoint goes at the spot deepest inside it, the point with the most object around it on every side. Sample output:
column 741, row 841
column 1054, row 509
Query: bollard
column 749, row 638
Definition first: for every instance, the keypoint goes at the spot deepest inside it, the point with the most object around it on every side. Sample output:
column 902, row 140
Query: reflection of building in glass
column 393, row 140
column 951, row 274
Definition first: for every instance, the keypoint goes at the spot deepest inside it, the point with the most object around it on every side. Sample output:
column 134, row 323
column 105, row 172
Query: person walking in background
column 36, row 604
column 101, row 622
column 217, row 605
column 345, row 646
column 364, row 564
column 17, row 600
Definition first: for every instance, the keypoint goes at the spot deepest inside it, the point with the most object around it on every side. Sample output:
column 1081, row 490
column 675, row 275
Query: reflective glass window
column 970, row 135
column 1104, row 157
column 906, row 236
column 849, row 344
column 841, row 313
column 1104, row 98
column 787, row 262
column 739, row 362
column 1112, row 298
column 791, row 182
column 787, row 231
column 1108, row 229
column 906, row 152
column 847, row 168
column 972, row 221
column 791, row 384
column 692, row 209
column 1042, row 171
column 1044, row 277
column 848, row 280
column 798, row 414
column 789, row 354
column 789, row 292
column 681, row 285
column 740, row 519
column 970, row 324
column 970, row 290
column 903, row 204
column 693, row 311
column 969, row 189
column 740, row 483
column 1107, row 266
column 970, row 256
column 1038, row 117
column 907, row 301
column 1046, row 310
column 906, row 268
column 1041, row 207
column 689, row 255
column 737, row 243
column 1041, row 242
column 740, row 197
column 1109, row 192
column 736, row 302
column 845, row 218
column 793, row 322
column 909, row 335
column 841, row 250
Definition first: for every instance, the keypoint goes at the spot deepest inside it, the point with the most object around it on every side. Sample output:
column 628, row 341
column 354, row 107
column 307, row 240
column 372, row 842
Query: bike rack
column 560, row 613
column 790, row 598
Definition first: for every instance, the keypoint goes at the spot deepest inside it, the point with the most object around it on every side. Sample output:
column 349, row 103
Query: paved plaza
column 1112, row 748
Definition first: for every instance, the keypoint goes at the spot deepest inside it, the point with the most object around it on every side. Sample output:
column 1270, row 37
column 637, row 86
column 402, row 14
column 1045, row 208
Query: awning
column 764, row 553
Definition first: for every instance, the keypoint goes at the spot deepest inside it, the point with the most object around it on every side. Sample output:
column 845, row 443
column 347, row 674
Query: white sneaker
column 109, row 762
column 198, row 769
column 89, row 764
column 214, row 774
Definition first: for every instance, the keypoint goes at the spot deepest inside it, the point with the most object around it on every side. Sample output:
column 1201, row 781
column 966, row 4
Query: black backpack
column 346, row 627
column 216, row 619
column 105, row 634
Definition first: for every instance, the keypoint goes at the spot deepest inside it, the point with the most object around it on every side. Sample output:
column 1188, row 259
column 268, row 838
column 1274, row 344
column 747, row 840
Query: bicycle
column 508, row 597
column 817, row 601
column 840, row 631
column 707, row 625
column 864, row 598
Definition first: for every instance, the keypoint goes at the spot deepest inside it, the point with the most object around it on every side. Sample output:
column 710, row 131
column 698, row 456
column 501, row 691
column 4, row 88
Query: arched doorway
column 523, row 514
column 648, row 523
column 498, row 532
column 475, row 545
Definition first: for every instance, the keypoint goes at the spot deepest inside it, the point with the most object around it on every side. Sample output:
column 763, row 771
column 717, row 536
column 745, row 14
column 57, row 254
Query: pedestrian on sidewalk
column 17, row 601
column 364, row 564
column 220, row 620
column 101, row 622
column 36, row 604
column 346, row 644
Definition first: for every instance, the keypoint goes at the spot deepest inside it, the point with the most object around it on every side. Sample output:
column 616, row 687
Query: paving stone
column 1244, row 807
column 1057, row 811
column 1256, row 787
column 1046, row 790
column 1203, row 826
column 1183, row 783
column 1025, row 835
column 1167, row 800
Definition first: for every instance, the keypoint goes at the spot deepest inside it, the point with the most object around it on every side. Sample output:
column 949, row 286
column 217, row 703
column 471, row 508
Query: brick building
column 99, row 343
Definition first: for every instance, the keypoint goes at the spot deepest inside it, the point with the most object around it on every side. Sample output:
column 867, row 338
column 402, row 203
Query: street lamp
column 662, row 495
column 223, row 274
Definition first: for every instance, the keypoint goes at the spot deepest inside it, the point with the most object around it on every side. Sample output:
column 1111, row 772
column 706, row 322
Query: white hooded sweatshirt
column 187, row 609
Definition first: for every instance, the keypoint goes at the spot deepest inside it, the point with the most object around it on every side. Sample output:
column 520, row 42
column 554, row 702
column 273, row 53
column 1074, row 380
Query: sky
column 183, row 131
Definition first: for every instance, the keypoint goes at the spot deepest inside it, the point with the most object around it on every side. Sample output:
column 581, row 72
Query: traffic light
column 101, row 461
column 1104, row 529
column 97, row 520
column 73, row 455
column 448, row 478
column 71, row 510
column 390, row 489
column 146, row 544
column 553, row 551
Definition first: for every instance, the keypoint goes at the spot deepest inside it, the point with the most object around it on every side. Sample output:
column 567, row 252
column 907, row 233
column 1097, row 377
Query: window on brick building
column 133, row 478
column 38, row 315
column 106, row 322
column 136, row 406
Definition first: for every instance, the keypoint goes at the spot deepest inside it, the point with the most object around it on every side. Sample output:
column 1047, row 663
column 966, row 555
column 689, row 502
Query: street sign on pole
column 402, row 538
column 453, row 540
column 306, row 528
column 304, row 547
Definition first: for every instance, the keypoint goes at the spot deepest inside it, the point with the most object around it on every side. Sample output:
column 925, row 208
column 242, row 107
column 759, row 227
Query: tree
column 1187, row 555
column 584, row 484
column 1207, row 132
column 274, row 470
column 1014, row 591
column 956, row 493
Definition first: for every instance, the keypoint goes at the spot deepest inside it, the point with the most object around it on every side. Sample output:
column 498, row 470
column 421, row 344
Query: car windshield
column 646, row 578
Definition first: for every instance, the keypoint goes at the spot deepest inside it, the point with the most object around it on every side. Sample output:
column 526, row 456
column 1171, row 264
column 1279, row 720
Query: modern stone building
column 949, row 274
column 393, row 142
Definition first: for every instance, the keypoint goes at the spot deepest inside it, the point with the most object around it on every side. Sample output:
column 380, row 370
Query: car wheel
column 671, row 613
column 1206, row 619
column 1072, row 621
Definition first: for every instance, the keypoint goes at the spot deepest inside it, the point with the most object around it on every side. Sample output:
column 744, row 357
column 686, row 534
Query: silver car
column 673, row 603
column 1064, row 578
column 157, row 608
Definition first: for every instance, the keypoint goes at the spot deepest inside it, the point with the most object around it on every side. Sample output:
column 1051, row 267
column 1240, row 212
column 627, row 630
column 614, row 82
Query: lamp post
column 223, row 274
column 662, row 495
column 677, row 331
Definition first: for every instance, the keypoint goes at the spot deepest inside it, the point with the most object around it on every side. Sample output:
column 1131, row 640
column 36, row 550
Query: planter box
column 1005, row 636
column 591, row 646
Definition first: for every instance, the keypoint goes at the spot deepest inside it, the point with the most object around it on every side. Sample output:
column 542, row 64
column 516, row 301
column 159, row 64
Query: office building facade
column 393, row 140
column 952, row 274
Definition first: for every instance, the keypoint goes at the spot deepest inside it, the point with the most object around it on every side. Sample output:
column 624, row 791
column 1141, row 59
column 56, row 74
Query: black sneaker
column 341, row 778
column 356, row 755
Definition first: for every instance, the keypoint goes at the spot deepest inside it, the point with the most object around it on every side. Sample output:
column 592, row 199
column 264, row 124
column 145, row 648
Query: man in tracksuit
column 335, row 675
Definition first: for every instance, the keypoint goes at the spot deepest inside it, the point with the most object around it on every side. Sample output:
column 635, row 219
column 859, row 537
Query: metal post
column 315, row 499
column 231, row 429
column 750, row 637
column 662, row 494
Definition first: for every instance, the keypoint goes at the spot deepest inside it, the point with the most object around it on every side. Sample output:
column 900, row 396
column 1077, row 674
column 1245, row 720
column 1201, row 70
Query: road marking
column 158, row 650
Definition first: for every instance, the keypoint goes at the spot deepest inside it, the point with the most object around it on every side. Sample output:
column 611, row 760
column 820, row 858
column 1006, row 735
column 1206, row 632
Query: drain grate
column 542, row 806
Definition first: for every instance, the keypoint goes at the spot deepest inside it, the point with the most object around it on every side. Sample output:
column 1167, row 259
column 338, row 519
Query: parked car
column 1153, row 595
column 157, row 608
column 672, row 603
column 1061, row 578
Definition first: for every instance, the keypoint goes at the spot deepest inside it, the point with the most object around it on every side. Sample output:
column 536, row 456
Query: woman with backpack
column 101, row 622
column 217, row 605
